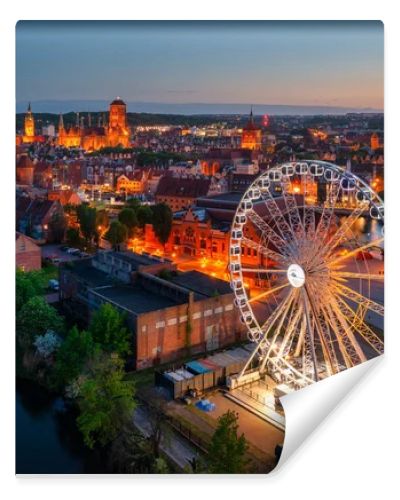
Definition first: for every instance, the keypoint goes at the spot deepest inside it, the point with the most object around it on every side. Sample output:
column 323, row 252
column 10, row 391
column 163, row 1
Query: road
column 178, row 449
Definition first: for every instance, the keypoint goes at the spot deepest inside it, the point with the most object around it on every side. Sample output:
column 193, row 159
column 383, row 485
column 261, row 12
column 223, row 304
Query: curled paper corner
column 307, row 408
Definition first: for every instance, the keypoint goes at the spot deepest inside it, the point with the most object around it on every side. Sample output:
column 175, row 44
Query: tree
column 57, row 227
column 35, row 318
column 106, row 401
column 116, row 234
column 162, row 222
column 102, row 221
column 72, row 237
column 133, row 203
column 109, row 331
column 87, row 221
column 132, row 453
column 226, row 453
column 27, row 285
column 47, row 344
column 77, row 348
column 127, row 216
column 144, row 215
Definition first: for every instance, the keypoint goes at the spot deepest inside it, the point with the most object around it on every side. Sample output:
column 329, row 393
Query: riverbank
column 47, row 439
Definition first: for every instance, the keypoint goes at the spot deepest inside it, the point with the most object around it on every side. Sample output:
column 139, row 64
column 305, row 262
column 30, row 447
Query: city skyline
column 202, row 65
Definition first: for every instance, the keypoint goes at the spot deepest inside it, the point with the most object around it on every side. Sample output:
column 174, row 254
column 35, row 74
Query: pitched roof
column 183, row 187
column 36, row 209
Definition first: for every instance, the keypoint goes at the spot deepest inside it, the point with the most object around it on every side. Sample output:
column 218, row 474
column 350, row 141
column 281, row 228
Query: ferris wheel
column 307, row 271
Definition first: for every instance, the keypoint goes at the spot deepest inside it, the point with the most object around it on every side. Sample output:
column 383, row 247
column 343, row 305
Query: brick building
column 170, row 313
column 28, row 255
column 181, row 192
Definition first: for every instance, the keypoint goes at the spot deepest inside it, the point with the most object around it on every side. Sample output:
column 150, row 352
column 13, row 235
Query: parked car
column 54, row 285
column 73, row 251
column 64, row 249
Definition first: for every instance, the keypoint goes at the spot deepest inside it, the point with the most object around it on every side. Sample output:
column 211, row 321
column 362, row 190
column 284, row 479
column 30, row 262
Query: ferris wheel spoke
column 268, row 292
column 290, row 330
column 355, row 251
column 276, row 215
column 349, row 338
column 361, row 327
column 263, row 342
column 263, row 270
column 359, row 299
column 348, row 345
column 341, row 233
column 322, row 328
column 362, row 276
column 262, row 249
column 283, row 314
column 293, row 212
column 279, row 243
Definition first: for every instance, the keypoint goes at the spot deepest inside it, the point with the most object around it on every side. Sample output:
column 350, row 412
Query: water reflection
column 47, row 440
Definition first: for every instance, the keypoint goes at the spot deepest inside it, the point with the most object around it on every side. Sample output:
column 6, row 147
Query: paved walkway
column 178, row 449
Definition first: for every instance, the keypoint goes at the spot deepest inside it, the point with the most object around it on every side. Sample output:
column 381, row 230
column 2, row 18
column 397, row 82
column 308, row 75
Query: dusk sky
column 300, row 63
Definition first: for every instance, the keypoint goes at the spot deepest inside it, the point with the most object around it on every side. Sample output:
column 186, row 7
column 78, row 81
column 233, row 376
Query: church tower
column 118, row 131
column 29, row 125
column 375, row 141
column 251, row 135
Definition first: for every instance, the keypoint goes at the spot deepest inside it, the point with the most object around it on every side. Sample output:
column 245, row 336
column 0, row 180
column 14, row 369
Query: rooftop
column 136, row 260
column 201, row 283
column 86, row 272
column 136, row 299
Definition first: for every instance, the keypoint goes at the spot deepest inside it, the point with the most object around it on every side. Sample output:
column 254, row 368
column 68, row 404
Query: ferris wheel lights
column 240, row 219
column 235, row 267
column 364, row 194
column 264, row 183
column 302, row 168
column 288, row 170
column 275, row 175
column 316, row 170
column 256, row 194
column 347, row 184
column 237, row 234
column 235, row 250
column 376, row 212
column 246, row 205
column 331, row 175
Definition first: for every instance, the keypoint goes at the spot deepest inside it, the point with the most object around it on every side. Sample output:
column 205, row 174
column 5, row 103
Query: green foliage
column 128, row 218
column 106, row 401
column 109, row 331
column 102, row 219
column 77, row 348
column 35, row 318
column 57, row 227
column 162, row 222
column 133, row 203
column 144, row 215
column 27, row 285
column 87, row 221
column 226, row 453
column 116, row 234
column 72, row 237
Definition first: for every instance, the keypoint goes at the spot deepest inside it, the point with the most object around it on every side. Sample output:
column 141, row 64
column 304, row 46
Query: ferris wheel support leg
column 310, row 333
column 248, row 362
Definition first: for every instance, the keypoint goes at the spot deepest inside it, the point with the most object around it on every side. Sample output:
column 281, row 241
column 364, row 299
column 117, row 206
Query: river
column 47, row 440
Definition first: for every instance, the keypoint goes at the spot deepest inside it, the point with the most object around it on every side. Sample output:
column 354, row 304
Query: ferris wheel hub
column 296, row 275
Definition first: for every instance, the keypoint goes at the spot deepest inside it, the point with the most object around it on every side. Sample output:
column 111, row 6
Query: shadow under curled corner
column 307, row 408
